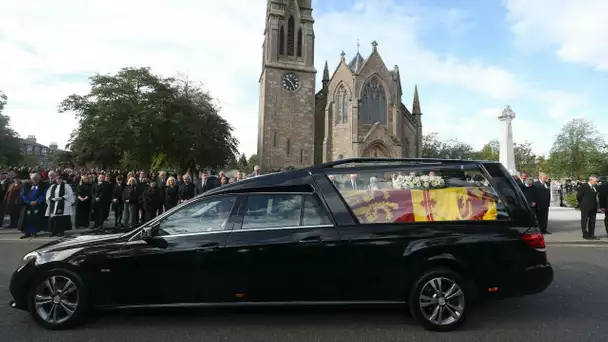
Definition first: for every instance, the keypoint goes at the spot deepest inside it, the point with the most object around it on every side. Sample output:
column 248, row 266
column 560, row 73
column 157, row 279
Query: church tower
column 286, row 124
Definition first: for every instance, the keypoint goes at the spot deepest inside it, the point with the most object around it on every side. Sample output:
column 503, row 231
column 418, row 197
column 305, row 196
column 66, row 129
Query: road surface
column 572, row 309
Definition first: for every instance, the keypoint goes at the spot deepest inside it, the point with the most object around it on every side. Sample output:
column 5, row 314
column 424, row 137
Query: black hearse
column 434, row 234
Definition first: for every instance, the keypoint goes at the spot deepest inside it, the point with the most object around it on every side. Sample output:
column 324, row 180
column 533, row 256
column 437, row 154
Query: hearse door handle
column 311, row 240
column 208, row 247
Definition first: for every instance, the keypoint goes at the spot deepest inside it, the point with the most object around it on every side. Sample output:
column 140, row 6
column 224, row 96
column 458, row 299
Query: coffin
column 414, row 205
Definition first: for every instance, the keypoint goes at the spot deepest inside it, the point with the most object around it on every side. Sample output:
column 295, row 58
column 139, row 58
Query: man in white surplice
column 59, row 209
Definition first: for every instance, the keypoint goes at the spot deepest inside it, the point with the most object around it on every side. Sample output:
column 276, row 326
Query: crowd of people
column 57, row 200
column 591, row 198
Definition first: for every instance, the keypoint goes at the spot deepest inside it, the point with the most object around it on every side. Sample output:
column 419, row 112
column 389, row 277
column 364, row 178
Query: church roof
column 356, row 63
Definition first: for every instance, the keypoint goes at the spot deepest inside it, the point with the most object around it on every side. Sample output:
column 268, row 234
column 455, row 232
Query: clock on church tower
column 287, row 87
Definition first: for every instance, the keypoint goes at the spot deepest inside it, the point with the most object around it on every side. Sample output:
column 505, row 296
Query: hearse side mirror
column 151, row 237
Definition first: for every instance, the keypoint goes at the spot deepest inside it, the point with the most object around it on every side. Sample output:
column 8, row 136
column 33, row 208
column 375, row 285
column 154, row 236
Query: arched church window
column 299, row 49
column 291, row 31
column 341, row 100
column 373, row 102
column 282, row 40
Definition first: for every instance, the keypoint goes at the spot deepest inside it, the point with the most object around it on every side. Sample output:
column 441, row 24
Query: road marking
column 585, row 245
column 26, row 240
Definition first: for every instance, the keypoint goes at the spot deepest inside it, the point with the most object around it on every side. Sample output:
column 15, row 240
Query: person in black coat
column 161, row 183
column 171, row 193
column 84, row 198
column 130, row 198
column 542, row 200
column 102, row 199
column 150, row 200
column 117, row 202
column 187, row 190
column 602, row 191
column 530, row 192
column 206, row 183
column 587, row 198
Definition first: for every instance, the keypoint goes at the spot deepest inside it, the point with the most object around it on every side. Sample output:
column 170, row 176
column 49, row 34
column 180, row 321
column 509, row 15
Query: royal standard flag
column 417, row 205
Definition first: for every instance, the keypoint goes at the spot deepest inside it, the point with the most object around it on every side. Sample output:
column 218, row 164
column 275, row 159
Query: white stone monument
column 507, row 154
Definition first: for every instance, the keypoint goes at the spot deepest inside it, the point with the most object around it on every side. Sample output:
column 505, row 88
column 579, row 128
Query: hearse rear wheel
column 438, row 300
column 58, row 300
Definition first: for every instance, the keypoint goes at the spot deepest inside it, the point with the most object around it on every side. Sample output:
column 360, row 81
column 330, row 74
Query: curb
column 577, row 242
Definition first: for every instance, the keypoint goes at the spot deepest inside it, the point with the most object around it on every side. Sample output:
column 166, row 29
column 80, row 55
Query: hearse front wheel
column 438, row 300
column 58, row 300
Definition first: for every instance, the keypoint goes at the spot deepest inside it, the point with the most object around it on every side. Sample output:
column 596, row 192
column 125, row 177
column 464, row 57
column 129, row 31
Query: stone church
column 357, row 112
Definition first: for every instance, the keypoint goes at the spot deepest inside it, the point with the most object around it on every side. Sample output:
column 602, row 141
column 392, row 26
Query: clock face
column 290, row 81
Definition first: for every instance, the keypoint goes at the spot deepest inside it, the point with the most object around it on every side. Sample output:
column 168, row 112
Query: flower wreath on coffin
column 418, row 182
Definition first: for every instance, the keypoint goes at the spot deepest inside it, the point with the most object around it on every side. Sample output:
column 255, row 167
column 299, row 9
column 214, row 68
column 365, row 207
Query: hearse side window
column 419, row 195
column 203, row 216
column 283, row 210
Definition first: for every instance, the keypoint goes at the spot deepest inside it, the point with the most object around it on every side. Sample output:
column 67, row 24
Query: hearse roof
column 301, row 178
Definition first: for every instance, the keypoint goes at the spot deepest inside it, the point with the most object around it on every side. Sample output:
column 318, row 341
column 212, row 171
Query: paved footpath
column 565, row 227
column 564, row 224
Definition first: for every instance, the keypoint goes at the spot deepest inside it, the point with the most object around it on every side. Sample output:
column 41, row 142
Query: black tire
column 62, row 302
column 456, row 306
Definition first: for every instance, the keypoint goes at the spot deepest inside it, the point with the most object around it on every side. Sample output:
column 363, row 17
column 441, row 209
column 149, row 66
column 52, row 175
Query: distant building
column 36, row 153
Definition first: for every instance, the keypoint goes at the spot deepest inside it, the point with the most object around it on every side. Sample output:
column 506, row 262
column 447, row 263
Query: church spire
column 325, row 80
column 416, row 104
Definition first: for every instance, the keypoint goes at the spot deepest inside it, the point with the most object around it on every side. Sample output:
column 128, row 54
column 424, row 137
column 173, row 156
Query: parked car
column 434, row 234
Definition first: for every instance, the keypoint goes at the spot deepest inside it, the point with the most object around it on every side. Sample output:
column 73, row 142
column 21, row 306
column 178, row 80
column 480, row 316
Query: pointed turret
column 325, row 80
column 416, row 105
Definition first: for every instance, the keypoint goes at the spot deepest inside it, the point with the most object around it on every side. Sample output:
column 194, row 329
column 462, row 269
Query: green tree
column 489, row 151
column 525, row 159
column 251, row 163
column 61, row 159
column 242, row 163
column 10, row 153
column 433, row 147
column 577, row 151
column 138, row 119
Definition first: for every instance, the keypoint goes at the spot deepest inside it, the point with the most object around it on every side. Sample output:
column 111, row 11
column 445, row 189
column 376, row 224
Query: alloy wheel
column 441, row 301
column 56, row 299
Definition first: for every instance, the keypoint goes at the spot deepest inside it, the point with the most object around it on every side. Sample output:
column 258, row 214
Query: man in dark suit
column 354, row 183
column 523, row 177
column 529, row 191
column 102, row 197
column 206, row 183
column 161, row 183
column 586, row 196
column 543, row 200
column 602, row 191
column 333, row 181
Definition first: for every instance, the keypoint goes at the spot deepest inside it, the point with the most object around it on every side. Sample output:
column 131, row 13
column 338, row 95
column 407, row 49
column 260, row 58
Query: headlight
column 31, row 256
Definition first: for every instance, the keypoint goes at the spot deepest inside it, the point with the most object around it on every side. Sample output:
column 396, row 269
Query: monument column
column 507, row 154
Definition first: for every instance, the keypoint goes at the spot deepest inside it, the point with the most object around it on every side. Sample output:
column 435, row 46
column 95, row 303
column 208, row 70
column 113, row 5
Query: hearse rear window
column 419, row 196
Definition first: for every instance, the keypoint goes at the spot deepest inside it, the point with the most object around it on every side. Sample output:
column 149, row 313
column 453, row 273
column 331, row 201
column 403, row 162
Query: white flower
column 412, row 182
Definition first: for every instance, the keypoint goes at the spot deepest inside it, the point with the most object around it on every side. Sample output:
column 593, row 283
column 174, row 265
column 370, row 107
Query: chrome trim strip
column 245, row 303
column 281, row 228
column 237, row 231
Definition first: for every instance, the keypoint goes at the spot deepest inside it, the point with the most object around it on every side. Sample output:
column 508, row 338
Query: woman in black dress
column 151, row 201
column 84, row 193
column 171, row 193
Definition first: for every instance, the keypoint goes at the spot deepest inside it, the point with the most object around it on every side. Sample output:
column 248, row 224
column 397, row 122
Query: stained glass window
column 373, row 102
column 342, row 100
